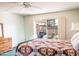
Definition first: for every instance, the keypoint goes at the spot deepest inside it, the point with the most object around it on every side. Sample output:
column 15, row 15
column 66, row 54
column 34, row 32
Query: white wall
column 29, row 27
column 13, row 27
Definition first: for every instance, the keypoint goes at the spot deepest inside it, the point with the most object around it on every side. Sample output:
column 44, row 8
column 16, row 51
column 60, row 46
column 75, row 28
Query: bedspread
column 47, row 48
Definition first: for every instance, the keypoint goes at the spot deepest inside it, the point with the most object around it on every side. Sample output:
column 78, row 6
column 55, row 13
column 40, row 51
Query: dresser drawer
column 4, row 41
column 5, row 44
column 4, row 49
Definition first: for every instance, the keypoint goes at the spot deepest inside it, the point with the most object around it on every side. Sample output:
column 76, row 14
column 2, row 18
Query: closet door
column 62, row 27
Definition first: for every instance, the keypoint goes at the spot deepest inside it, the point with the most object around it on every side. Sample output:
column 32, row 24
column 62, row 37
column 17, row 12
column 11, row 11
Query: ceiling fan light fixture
column 26, row 4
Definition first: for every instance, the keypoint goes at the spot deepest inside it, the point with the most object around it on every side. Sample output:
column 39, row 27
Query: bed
column 41, row 47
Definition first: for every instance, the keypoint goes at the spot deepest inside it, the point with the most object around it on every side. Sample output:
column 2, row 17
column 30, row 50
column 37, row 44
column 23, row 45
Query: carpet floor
column 9, row 53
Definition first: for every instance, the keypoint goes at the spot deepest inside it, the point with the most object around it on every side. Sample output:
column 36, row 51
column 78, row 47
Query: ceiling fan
column 23, row 7
column 26, row 5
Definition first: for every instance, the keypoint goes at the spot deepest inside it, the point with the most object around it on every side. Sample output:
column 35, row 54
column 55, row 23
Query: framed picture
column 51, row 22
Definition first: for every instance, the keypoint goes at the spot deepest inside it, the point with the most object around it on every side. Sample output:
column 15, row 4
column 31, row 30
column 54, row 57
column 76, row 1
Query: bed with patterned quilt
column 47, row 47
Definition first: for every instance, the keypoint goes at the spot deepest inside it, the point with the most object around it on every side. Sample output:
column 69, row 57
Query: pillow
column 25, row 50
column 75, row 41
column 70, row 52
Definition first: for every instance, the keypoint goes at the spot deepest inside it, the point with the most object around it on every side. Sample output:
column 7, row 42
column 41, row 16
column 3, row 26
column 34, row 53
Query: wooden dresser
column 5, row 44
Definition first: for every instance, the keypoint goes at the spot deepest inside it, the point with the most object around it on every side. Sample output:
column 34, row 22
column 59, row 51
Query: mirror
column 1, row 30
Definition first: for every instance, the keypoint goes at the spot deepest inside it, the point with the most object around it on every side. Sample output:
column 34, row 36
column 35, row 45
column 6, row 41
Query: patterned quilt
column 42, row 47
